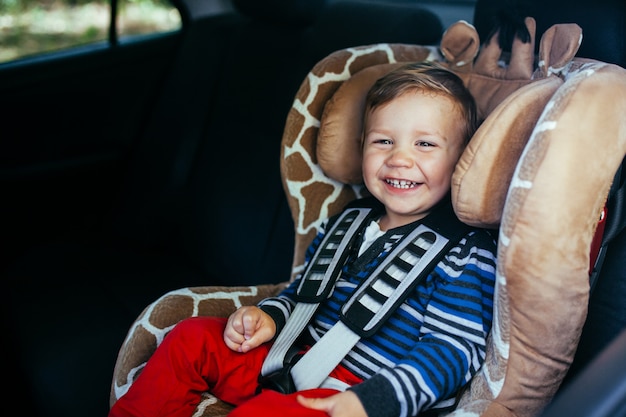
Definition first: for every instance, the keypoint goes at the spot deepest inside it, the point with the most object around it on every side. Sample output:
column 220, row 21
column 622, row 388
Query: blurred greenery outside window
column 31, row 27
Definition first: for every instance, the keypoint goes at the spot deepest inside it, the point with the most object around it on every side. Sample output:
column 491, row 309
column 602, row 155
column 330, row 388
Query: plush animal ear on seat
column 459, row 46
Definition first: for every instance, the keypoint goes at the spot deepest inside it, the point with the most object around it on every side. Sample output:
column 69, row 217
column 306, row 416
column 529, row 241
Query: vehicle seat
column 533, row 170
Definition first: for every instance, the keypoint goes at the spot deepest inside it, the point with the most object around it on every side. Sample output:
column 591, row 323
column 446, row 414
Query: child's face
column 410, row 149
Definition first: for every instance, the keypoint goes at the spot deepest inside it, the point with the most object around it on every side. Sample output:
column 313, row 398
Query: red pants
column 193, row 359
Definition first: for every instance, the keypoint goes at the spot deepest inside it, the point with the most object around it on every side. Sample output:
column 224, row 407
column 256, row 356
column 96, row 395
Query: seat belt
column 317, row 283
column 371, row 305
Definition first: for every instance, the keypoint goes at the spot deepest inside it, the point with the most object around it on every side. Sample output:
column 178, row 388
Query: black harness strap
column 325, row 266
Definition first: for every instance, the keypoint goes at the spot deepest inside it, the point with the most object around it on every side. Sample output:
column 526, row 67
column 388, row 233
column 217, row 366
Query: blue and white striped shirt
column 434, row 342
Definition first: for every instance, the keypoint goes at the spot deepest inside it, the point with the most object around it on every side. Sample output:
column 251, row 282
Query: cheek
column 369, row 168
column 441, row 171
column 367, row 172
column 368, row 163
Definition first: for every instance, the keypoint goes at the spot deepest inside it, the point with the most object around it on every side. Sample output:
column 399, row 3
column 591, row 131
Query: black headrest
column 288, row 12
column 603, row 22
column 349, row 23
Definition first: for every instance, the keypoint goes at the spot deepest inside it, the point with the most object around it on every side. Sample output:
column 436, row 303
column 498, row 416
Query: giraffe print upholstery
column 533, row 170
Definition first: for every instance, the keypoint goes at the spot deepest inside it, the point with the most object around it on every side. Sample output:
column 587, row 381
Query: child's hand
column 344, row 404
column 247, row 328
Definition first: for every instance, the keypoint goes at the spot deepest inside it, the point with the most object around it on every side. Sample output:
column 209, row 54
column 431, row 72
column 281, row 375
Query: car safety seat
column 538, row 170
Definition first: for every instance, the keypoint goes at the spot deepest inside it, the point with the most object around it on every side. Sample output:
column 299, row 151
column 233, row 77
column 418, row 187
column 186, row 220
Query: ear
column 558, row 47
column 459, row 45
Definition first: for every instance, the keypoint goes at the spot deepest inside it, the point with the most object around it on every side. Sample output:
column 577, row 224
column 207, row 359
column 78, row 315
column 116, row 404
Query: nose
column 400, row 157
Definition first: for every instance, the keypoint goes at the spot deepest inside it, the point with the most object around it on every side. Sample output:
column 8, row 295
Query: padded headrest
column 513, row 112
column 288, row 12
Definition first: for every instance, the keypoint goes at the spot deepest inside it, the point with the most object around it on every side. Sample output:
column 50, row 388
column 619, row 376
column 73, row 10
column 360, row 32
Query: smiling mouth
column 402, row 183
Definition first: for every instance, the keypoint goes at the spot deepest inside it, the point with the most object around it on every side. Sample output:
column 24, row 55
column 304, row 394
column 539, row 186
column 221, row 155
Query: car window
column 143, row 17
column 32, row 27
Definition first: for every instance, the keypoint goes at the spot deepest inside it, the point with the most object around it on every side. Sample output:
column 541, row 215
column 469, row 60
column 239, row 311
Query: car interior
column 177, row 176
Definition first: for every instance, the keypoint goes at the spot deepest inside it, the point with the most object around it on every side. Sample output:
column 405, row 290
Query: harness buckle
column 280, row 380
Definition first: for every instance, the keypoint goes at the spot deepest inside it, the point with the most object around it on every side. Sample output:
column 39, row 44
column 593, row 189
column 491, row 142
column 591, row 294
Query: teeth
column 401, row 183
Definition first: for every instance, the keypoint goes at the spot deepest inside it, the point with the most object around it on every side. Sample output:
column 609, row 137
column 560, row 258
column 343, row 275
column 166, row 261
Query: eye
column 379, row 141
column 383, row 141
column 424, row 144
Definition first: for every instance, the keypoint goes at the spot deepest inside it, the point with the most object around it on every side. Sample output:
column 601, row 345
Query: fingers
column 248, row 328
column 343, row 404
column 320, row 404
column 233, row 333
column 260, row 334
